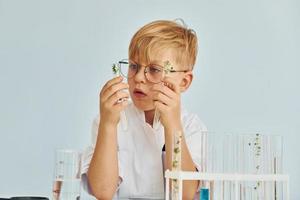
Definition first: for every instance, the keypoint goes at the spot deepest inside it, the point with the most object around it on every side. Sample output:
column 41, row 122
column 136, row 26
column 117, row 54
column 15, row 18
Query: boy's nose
column 140, row 75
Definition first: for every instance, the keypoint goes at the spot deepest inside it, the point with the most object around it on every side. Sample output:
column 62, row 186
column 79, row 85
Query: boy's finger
column 112, row 82
column 112, row 100
column 113, row 89
column 172, row 84
column 162, row 98
column 121, row 106
column 160, row 106
column 165, row 90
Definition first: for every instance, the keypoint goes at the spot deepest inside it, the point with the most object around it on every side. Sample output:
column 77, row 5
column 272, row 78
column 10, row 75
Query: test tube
column 123, row 119
column 176, row 163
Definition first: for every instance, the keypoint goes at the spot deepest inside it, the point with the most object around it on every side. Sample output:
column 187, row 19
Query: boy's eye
column 154, row 69
column 133, row 66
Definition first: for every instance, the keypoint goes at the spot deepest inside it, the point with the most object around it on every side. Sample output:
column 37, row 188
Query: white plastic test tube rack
column 236, row 178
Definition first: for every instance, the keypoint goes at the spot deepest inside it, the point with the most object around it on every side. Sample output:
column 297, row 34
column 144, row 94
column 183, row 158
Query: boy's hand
column 167, row 101
column 110, row 108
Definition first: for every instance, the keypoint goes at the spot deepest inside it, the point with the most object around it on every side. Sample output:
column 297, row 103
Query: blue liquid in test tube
column 204, row 194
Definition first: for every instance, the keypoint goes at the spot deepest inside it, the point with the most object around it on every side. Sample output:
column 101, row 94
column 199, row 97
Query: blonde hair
column 164, row 34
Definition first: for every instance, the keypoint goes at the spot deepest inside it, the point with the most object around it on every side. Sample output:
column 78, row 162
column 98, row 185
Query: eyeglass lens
column 153, row 73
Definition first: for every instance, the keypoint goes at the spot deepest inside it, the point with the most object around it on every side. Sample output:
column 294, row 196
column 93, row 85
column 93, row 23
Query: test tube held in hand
column 123, row 118
column 156, row 119
column 167, row 68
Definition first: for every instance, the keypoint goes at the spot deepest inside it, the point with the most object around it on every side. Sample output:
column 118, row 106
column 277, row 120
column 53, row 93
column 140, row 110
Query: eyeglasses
column 153, row 72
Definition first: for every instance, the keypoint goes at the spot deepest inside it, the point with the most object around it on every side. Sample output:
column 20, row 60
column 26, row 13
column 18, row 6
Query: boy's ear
column 186, row 81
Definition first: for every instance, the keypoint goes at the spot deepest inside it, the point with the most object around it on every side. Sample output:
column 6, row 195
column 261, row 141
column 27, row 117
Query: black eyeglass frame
column 166, row 70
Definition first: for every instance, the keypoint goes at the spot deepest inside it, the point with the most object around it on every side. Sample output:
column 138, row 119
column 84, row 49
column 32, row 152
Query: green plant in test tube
column 176, row 162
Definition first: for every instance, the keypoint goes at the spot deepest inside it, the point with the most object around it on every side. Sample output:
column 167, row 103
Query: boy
column 127, row 163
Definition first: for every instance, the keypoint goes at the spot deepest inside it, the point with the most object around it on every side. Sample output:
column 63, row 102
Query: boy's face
column 140, row 88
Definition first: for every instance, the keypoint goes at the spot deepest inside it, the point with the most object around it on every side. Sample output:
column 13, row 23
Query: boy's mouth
column 139, row 93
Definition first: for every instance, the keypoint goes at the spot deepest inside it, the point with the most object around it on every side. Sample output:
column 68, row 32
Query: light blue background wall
column 55, row 55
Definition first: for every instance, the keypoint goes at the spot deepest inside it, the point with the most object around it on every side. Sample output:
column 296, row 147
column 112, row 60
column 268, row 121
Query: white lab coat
column 140, row 153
